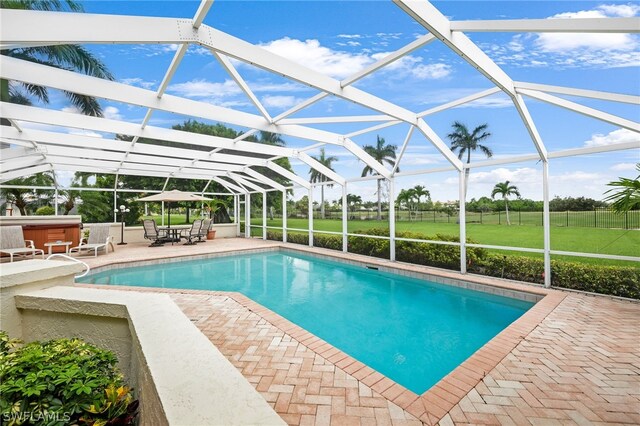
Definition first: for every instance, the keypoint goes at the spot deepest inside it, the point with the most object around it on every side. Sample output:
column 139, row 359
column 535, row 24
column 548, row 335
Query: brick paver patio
column 572, row 359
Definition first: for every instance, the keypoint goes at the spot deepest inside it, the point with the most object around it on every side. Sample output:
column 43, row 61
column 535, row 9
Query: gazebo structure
column 34, row 151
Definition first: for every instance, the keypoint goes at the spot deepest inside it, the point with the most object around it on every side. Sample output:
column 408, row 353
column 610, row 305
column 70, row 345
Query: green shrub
column 64, row 381
column 45, row 211
column 613, row 280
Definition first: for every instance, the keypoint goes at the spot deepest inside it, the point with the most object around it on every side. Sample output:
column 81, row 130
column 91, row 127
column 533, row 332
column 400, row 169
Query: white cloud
column 340, row 64
column 621, row 10
column 112, row 113
column 523, row 175
column 573, row 50
column 622, row 167
column 137, row 81
column 349, row 36
column 205, row 89
column 280, row 101
column 317, row 57
column 71, row 109
column 556, row 42
column 616, row 136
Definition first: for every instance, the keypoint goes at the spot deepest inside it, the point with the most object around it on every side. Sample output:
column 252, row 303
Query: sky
column 340, row 38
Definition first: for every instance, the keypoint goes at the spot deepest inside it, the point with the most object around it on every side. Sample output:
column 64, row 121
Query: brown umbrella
column 174, row 195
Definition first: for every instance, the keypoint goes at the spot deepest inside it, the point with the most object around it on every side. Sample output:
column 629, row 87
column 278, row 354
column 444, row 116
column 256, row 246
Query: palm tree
column 407, row 197
column 66, row 56
column 465, row 142
column 421, row 191
column 317, row 177
column 382, row 153
column 504, row 189
column 22, row 197
column 627, row 194
column 269, row 138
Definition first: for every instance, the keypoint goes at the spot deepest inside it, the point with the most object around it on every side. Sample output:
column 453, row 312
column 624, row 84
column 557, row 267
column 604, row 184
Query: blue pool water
column 412, row 331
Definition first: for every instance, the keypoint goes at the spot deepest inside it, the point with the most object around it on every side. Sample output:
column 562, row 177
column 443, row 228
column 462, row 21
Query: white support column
column 345, row 217
column 264, row 215
column 392, row 220
column 247, row 215
column 236, row 213
column 55, row 201
column 462, row 220
column 546, row 225
column 311, row 216
column 284, row 216
column 162, row 213
column 115, row 204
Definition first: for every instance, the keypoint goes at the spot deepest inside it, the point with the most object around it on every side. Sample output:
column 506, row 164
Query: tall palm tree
column 382, row 153
column 407, row 197
column 465, row 142
column 66, row 56
column 269, row 138
column 317, row 177
column 625, row 194
column 505, row 189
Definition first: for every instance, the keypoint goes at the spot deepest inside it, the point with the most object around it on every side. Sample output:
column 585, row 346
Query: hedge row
column 612, row 280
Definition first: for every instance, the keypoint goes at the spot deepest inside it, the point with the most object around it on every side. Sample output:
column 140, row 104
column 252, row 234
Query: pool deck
column 571, row 359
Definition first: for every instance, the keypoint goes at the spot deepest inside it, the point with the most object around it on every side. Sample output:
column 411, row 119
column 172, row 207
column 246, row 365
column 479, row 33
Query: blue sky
column 340, row 38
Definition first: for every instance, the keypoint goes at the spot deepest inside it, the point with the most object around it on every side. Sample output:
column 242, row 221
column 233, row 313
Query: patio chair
column 202, row 235
column 12, row 242
column 98, row 239
column 192, row 234
column 152, row 233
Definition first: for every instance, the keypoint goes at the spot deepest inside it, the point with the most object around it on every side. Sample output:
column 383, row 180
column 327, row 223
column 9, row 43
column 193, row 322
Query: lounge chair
column 98, row 239
column 12, row 242
column 152, row 233
column 202, row 235
column 192, row 234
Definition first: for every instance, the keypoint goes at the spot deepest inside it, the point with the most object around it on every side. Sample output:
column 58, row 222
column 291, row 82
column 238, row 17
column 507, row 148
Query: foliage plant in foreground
column 620, row 281
column 64, row 381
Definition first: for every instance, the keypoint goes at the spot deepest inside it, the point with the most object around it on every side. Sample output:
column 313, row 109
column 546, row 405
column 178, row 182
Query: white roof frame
column 47, row 150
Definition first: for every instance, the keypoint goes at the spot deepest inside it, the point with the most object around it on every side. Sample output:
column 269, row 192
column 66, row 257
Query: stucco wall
column 135, row 234
column 178, row 375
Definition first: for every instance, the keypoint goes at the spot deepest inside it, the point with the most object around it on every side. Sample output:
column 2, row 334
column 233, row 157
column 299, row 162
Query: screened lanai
column 29, row 149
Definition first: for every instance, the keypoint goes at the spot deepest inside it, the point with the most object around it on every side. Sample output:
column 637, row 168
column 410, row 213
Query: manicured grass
column 176, row 219
column 588, row 240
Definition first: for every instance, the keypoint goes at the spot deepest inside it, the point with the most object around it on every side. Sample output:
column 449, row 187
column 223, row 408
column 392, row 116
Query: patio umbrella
column 174, row 195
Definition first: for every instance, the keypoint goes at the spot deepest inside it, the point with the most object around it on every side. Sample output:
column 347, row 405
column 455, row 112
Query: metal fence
column 599, row 218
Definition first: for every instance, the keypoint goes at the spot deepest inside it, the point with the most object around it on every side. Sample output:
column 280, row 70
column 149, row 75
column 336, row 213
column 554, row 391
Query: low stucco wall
column 179, row 376
column 135, row 234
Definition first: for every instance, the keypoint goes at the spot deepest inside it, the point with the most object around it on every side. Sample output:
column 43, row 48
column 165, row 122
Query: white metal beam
column 289, row 175
column 78, row 121
column 458, row 102
column 27, row 171
column 432, row 19
column 581, row 109
column 29, row 72
column 595, row 94
column 582, row 25
column 231, row 70
column 306, row 158
column 263, row 179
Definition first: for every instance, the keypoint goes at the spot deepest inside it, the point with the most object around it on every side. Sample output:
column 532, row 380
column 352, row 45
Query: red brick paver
column 571, row 359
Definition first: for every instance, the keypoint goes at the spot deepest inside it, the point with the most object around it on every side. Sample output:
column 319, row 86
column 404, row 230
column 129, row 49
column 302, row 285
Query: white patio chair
column 12, row 242
column 98, row 239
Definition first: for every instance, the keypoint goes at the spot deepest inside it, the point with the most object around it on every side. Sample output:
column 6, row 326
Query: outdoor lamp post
column 122, row 210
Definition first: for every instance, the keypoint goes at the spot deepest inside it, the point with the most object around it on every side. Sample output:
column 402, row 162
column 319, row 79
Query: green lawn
column 588, row 240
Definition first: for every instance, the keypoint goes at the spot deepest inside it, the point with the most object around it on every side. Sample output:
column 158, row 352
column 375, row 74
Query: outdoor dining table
column 173, row 234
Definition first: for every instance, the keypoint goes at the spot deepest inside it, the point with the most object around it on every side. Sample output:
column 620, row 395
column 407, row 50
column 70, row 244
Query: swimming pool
column 413, row 331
